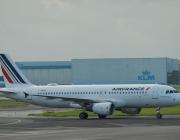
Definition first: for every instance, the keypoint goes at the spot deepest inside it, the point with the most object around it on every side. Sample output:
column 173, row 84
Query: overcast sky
column 35, row 30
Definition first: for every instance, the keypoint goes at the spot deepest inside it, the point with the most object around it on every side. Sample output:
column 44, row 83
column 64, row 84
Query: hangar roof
column 45, row 65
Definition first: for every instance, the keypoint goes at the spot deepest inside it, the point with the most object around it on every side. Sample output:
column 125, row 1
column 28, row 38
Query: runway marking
column 11, row 123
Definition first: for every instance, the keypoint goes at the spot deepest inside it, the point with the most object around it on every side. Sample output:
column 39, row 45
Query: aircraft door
column 155, row 94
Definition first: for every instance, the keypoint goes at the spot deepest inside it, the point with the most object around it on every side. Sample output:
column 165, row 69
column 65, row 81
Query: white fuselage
column 66, row 96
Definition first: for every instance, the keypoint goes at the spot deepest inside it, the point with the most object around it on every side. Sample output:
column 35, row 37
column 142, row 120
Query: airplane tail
column 11, row 73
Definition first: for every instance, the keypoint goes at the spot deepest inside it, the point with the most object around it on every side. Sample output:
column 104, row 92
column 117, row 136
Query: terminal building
column 104, row 71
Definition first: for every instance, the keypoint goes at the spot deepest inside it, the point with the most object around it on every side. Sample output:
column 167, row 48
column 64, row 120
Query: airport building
column 42, row 73
column 104, row 71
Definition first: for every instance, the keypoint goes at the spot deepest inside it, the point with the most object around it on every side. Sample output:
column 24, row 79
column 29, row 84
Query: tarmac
column 19, row 126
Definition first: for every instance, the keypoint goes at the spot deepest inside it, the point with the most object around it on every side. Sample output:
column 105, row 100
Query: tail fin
column 12, row 74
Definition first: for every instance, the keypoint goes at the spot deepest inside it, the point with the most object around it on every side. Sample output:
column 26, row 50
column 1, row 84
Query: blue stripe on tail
column 13, row 69
column 8, row 69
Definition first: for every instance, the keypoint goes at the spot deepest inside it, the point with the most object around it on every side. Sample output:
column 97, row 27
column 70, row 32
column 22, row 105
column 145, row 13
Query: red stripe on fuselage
column 6, row 75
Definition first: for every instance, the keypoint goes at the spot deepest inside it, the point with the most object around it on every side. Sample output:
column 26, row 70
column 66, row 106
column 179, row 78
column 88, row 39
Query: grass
column 145, row 112
column 62, row 114
column 11, row 104
column 178, row 89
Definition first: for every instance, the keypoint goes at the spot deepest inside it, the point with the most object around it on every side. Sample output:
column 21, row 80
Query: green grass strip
column 178, row 89
column 145, row 112
column 11, row 104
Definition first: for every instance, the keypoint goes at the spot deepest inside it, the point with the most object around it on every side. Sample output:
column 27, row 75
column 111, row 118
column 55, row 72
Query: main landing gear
column 158, row 114
column 83, row 115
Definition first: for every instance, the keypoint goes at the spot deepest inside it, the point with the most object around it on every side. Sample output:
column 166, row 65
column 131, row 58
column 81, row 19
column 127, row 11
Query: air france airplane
column 101, row 99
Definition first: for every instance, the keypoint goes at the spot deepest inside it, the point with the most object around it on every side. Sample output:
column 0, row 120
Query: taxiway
column 125, row 128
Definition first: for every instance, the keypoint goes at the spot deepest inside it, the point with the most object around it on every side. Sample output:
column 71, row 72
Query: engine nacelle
column 103, row 108
column 131, row 110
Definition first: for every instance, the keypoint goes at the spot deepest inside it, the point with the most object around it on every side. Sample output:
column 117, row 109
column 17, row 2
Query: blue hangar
column 103, row 71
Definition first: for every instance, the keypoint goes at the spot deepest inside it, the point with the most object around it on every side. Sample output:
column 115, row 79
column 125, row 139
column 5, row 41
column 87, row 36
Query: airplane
column 100, row 99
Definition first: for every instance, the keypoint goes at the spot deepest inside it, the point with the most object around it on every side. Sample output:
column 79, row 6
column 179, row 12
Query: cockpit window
column 170, row 91
column 167, row 91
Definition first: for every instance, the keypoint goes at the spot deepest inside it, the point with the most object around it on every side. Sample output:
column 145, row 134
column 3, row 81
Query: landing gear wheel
column 102, row 116
column 159, row 116
column 83, row 115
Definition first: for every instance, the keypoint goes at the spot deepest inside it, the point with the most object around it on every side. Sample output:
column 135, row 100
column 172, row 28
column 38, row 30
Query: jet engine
column 131, row 110
column 102, row 108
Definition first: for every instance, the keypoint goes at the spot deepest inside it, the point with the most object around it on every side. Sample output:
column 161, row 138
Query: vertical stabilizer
column 12, row 74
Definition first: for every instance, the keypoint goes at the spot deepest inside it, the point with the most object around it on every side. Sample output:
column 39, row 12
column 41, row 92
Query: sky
column 55, row 30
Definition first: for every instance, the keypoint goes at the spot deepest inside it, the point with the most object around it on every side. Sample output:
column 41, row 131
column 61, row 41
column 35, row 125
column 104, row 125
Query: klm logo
column 146, row 76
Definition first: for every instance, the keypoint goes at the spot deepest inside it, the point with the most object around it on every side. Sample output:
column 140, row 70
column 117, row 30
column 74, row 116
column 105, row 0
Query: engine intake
column 103, row 108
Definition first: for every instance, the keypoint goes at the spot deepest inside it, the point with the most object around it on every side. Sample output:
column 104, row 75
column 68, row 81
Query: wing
column 81, row 101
